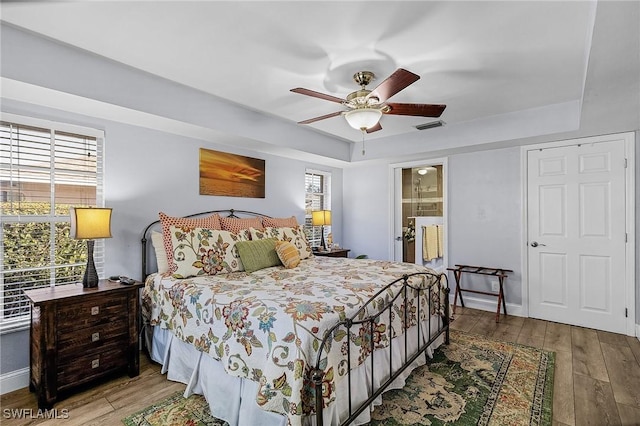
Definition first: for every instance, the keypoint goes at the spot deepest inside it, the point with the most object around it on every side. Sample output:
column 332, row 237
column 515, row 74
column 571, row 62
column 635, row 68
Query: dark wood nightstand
column 81, row 334
column 333, row 253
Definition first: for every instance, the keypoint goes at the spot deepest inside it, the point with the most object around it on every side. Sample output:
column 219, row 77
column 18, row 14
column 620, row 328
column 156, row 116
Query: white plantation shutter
column 317, row 197
column 45, row 168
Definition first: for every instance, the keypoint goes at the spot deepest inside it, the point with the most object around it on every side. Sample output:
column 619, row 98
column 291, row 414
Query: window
column 317, row 197
column 45, row 168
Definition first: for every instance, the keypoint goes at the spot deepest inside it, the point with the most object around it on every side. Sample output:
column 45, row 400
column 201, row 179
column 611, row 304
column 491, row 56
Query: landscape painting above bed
column 231, row 175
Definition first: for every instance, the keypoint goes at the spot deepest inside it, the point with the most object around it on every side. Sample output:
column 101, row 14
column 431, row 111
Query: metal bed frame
column 316, row 374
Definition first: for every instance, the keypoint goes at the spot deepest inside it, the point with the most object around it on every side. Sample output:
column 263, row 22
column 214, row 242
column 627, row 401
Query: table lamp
column 321, row 218
column 89, row 223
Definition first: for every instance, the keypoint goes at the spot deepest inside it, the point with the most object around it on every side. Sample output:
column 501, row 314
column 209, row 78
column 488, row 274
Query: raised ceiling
column 482, row 59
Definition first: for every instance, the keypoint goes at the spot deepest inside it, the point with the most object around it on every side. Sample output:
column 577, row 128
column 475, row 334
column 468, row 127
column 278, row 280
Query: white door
column 398, row 240
column 576, row 235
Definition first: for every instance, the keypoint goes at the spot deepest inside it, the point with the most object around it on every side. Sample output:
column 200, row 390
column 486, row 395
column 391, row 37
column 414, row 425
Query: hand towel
column 429, row 242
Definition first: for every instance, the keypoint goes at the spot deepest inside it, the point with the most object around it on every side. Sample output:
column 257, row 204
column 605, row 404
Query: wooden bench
column 500, row 273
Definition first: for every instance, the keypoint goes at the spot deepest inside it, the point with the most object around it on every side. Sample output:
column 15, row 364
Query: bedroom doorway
column 419, row 207
column 579, row 232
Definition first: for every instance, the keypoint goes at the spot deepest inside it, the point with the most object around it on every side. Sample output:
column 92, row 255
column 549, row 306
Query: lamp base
column 90, row 279
column 323, row 242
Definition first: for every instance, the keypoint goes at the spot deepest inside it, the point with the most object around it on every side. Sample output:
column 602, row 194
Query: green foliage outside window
column 30, row 261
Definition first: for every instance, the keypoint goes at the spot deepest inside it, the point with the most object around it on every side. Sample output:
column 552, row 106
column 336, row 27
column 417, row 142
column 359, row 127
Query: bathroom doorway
column 419, row 213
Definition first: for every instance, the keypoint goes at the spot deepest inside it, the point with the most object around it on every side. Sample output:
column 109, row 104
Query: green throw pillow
column 258, row 254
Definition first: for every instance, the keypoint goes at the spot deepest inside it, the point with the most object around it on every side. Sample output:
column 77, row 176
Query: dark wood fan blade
column 418, row 110
column 322, row 117
column 375, row 128
column 397, row 81
column 315, row 94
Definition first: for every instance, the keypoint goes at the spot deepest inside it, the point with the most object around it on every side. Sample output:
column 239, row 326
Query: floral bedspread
column 267, row 326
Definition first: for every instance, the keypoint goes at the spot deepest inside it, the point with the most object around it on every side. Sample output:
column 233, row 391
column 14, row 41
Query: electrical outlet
column 495, row 285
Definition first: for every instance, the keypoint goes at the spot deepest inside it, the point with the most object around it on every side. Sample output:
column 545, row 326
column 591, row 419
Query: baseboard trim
column 489, row 305
column 14, row 380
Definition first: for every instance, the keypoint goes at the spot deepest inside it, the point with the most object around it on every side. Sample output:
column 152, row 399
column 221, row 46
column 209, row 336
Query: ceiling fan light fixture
column 363, row 118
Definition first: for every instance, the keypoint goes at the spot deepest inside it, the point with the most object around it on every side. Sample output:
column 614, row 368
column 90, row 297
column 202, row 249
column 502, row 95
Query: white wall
column 485, row 216
column 366, row 211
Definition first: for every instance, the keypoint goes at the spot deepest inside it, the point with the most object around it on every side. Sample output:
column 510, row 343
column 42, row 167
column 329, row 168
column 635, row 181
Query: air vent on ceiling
column 431, row 125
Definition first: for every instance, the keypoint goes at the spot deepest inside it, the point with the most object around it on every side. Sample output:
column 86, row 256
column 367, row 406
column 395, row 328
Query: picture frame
column 231, row 175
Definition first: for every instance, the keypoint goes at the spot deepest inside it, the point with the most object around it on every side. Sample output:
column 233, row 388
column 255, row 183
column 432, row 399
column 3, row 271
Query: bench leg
column 501, row 300
column 504, row 303
column 457, row 275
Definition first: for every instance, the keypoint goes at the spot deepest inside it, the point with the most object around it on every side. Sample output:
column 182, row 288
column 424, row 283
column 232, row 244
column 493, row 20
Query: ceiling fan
column 365, row 107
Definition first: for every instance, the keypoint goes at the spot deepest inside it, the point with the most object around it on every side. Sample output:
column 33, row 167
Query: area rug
column 475, row 381
column 175, row 410
column 472, row 381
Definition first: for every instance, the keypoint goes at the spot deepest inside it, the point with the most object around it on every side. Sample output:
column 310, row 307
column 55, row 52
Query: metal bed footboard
column 429, row 280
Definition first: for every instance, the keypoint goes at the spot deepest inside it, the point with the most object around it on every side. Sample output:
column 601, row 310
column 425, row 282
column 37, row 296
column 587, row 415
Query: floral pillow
column 166, row 221
column 293, row 235
column 202, row 251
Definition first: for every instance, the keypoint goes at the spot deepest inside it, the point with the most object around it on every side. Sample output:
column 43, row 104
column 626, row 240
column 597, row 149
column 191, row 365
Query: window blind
column 317, row 197
column 45, row 168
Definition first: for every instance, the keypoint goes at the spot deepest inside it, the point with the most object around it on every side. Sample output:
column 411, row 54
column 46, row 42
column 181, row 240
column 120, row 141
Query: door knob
column 535, row 244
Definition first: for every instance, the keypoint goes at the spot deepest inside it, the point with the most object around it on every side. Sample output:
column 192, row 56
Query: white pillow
column 161, row 254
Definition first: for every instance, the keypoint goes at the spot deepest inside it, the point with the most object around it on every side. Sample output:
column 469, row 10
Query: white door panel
column 576, row 234
column 595, row 283
column 552, row 213
column 553, row 279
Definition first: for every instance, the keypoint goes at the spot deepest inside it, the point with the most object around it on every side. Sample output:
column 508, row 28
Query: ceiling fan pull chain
column 363, row 132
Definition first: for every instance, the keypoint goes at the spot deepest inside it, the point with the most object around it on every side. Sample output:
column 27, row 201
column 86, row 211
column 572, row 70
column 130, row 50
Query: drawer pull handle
column 95, row 363
column 95, row 337
column 95, row 310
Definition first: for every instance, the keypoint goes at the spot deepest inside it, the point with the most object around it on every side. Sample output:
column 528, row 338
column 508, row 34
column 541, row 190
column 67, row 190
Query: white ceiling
column 482, row 59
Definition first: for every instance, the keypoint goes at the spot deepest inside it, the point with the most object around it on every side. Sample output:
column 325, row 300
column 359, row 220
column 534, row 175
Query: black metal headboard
column 227, row 213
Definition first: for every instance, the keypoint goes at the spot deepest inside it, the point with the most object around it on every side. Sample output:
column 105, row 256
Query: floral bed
column 267, row 326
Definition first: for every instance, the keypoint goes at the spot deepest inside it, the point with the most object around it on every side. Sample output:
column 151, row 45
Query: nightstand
column 333, row 253
column 81, row 334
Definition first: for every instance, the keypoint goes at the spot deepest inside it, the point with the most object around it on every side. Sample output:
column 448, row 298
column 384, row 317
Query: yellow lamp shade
column 321, row 217
column 88, row 223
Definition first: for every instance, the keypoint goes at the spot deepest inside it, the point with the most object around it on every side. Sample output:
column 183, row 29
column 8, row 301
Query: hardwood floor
column 597, row 377
column 105, row 404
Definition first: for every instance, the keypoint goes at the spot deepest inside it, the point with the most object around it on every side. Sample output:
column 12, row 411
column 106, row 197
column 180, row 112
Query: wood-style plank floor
column 597, row 377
